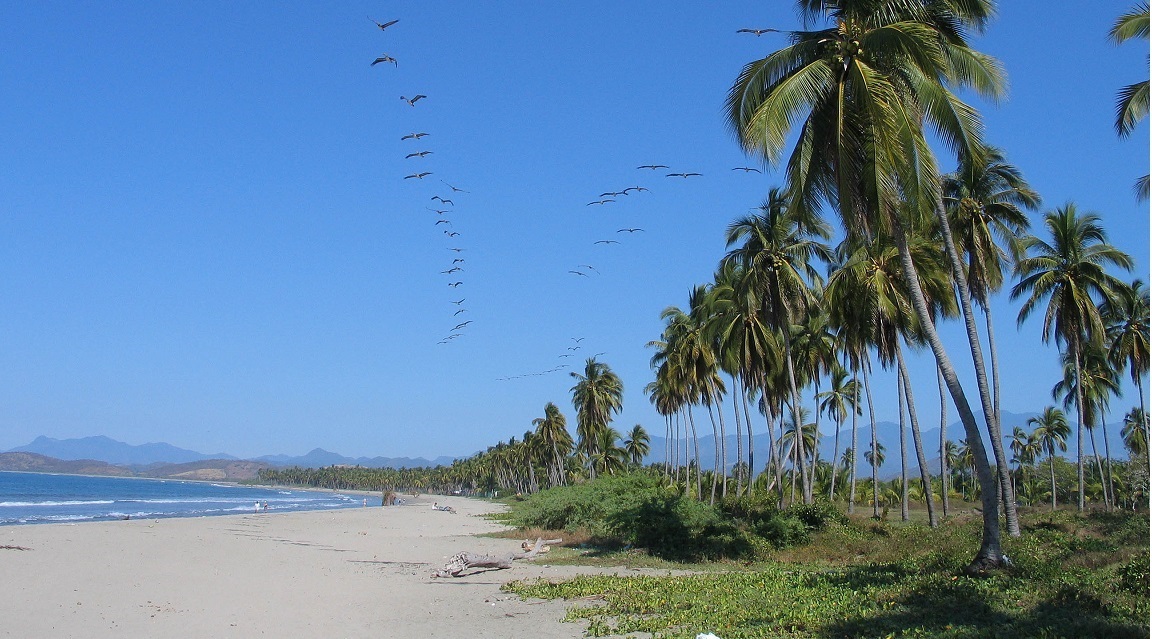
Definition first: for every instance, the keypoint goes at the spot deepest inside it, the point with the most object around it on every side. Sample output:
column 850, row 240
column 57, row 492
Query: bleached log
column 468, row 560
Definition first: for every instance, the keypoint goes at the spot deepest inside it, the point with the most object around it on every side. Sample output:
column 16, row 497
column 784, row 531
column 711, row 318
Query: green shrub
column 1134, row 575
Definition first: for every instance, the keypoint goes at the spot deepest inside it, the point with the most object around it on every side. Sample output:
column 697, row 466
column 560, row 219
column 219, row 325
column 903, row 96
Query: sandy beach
column 362, row 572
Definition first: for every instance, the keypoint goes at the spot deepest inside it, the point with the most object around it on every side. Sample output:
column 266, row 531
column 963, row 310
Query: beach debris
column 14, row 548
column 463, row 561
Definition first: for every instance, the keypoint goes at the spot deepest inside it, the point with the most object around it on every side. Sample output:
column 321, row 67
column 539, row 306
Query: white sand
column 361, row 572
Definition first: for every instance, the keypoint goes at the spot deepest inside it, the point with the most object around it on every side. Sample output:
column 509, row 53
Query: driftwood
column 468, row 560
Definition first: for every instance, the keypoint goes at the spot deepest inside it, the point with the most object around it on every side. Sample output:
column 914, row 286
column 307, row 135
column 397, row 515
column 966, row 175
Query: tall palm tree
column 1068, row 273
column 1126, row 325
column 1097, row 383
column 863, row 92
column 1051, row 430
column 1132, row 102
column 552, row 430
column 636, row 445
column 608, row 458
column 841, row 397
column 777, row 246
column 598, row 394
column 1135, row 432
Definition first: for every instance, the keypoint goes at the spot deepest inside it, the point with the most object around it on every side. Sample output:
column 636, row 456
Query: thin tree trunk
column 945, row 474
column 1108, row 458
column 918, row 444
column 901, row 384
column 1099, row 467
column 806, row 487
column 1079, row 426
column 991, row 414
column 1052, row 468
column 773, row 457
column 715, row 454
column 739, row 436
column 835, row 457
column 989, row 554
column 696, row 450
column 752, row 474
column 875, row 452
column 855, row 448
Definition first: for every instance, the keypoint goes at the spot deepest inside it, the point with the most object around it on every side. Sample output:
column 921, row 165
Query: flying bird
column 385, row 25
column 455, row 284
column 438, row 211
column 566, row 355
column 605, row 242
column 419, row 176
column 747, row 169
column 463, row 310
column 414, row 99
column 438, row 222
column 573, row 348
column 612, row 194
column 683, row 175
column 418, row 155
column 454, row 269
column 638, row 189
column 413, row 136
column 384, row 58
column 458, row 302
column 443, row 201
column 629, row 230
column 459, row 259
column 458, row 250
column 578, row 339
column 461, row 325
column 604, row 201
column 758, row 32
column 454, row 189
column 590, row 268
column 579, row 273
column 451, row 233
column 652, row 166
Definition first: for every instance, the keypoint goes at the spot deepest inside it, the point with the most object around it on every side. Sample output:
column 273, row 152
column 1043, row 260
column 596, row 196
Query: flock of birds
column 444, row 209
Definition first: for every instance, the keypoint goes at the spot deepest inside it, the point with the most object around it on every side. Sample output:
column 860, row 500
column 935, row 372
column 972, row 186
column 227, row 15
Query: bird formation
column 447, row 208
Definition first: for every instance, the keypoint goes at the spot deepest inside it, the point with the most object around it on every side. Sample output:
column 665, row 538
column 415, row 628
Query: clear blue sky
column 206, row 237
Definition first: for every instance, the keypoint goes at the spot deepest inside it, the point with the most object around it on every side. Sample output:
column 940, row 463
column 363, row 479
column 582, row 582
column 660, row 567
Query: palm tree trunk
column 991, row 412
column 806, row 487
column 944, row 474
column 739, row 435
column 715, row 453
column 1099, row 468
column 751, row 442
column 1107, row 458
column 875, row 452
column 989, row 554
column 773, row 458
column 855, row 451
column 1079, row 426
column 696, row 445
column 1052, row 468
column 918, row 444
column 835, row 456
column 901, row 384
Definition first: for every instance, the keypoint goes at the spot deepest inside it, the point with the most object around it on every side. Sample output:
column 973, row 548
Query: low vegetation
column 811, row 571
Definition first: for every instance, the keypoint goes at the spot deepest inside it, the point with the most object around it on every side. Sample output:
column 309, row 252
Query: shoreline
column 349, row 572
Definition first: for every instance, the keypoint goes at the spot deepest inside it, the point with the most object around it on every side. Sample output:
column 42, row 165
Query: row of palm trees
column 858, row 100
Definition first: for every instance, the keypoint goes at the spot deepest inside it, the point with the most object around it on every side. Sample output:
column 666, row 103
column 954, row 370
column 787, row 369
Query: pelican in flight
column 414, row 136
column 758, row 32
column 419, row 176
column 385, row 25
column 384, row 58
column 629, row 230
column 418, row 155
column 683, row 175
column 414, row 99
column 605, row 242
column 652, row 166
column 747, row 169
column 443, row 201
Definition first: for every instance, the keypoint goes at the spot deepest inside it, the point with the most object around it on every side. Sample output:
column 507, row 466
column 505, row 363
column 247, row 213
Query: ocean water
column 38, row 498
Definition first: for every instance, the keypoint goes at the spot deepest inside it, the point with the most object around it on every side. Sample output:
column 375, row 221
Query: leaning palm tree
column 1132, row 103
column 1126, row 325
column 1135, row 433
column 1051, row 430
column 1068, row 272
column 636, row 444
column 864, row 92
column 598, row 394
column 552, row 430
column 841, row 397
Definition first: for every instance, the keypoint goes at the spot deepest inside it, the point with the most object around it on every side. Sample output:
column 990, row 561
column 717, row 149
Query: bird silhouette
column 605, row 242
column 683, row 175
column 566, row 355
column 605, row 201
column 443, row 222
column 629, row 230
column 451, row 233
column 612, row 194
column 758, row 32
column 652, row 166
column 461, row 325
column 463, row 310
column 454, row 189
column 419, row 176
column 443, row 201
column 454, row 269
column 418, row 155
column 458, row 302
column 458, row 260
column 455, row 284
column 638, row 189
column 574, row 348
column 438, row 211
column 414, row 136
column 589, row 267
column 385, row 25
column 384, row 58
column 579, row 273
column 747, row 169
column 578, row 339
column 414, row 99
column 458, row 250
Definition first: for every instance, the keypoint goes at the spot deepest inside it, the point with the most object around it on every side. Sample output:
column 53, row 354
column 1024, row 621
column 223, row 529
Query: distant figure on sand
column 256, row 508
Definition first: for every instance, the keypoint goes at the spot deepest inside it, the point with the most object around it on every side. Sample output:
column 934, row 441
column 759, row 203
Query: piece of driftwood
column 468, row 560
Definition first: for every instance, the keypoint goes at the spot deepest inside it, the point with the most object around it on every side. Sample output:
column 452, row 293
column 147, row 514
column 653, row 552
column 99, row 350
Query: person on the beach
column 256, row 508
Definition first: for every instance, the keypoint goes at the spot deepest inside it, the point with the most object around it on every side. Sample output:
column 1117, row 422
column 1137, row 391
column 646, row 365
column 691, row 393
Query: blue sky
column 206, row 237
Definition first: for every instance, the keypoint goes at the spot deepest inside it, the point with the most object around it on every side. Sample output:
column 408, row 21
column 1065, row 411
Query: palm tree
column 1069, row 273
column 1135, row 432
column 608, row 458
column 863, row 92
column 597, row 394
column 1126, row 325
column 1051, row 430
column 636, row 445
column 777, row 246
column 1097, row 383
column 552, row 430
column 844, row 395
column 1132, row 103
column 987, row 199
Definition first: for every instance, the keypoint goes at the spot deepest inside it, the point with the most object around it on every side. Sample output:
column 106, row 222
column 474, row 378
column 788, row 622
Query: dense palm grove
column 801, row 311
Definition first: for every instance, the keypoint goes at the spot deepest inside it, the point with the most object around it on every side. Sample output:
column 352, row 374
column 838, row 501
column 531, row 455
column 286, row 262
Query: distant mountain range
column 888, row 434
column 110, row 451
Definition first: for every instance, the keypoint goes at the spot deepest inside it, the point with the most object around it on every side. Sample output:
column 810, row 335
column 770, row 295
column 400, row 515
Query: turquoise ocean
column 41, row 498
